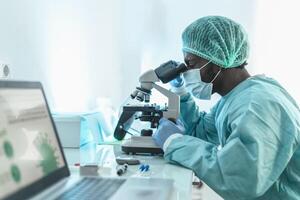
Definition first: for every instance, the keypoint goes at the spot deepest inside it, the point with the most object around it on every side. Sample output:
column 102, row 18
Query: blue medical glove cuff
column 177, row 82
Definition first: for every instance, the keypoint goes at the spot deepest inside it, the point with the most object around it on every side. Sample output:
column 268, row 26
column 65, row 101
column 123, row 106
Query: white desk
column 104, row 157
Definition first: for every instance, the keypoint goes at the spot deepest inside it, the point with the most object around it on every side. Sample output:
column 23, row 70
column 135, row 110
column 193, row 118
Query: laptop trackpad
column 144, row 188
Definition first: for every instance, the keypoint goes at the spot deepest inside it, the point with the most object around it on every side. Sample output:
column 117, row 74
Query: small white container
column 68, row 128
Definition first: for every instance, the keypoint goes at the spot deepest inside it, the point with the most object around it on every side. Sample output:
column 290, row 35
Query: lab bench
column 104, row 157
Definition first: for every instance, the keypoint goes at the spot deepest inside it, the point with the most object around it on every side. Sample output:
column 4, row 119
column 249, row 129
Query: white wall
column 69, row 45
column 277, row 42
column 82, row 50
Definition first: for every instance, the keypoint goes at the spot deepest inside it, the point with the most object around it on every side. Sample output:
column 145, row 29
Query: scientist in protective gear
column 248, row 145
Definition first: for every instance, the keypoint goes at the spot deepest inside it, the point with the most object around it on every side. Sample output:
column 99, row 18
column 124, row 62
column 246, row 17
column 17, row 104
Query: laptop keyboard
column 92, row 188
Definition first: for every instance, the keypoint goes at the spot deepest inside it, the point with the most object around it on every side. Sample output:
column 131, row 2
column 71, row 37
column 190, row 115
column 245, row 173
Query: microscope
column 147, row 112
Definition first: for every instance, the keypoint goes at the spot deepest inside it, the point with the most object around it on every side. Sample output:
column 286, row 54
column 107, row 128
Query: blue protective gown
column 248, row 146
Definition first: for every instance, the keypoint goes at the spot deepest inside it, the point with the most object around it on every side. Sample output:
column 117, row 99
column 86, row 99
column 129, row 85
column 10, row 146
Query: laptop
column 32, row 162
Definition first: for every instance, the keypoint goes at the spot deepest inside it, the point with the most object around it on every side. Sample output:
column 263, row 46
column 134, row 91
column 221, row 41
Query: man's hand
column 165, row 129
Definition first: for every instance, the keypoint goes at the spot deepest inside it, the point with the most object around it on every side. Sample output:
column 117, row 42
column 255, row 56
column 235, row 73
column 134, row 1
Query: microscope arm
column 173, row 102
column 147, row 81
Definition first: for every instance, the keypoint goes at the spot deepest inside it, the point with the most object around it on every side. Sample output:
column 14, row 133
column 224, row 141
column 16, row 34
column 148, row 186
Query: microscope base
column 140, row 145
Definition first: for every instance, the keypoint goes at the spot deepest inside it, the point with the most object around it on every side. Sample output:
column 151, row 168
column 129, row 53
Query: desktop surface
column 104, row 156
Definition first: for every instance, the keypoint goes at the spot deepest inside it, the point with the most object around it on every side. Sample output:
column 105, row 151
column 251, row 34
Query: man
column 248, row 146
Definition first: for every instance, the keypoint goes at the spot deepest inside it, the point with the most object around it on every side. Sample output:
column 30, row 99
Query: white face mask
column 196, row 86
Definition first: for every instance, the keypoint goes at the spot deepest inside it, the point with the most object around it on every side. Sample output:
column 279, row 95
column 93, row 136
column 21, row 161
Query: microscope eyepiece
column 170, row 70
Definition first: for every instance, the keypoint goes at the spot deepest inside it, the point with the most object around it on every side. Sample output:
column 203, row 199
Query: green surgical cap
column 218, row 39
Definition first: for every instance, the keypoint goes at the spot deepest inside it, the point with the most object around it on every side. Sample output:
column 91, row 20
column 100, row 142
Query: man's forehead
column 188, row 56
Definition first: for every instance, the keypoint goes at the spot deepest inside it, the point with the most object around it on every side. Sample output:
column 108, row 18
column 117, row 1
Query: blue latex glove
column 177, row 82
column 165, row 129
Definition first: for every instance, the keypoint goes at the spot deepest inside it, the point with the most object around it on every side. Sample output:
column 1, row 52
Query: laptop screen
column 29, row 149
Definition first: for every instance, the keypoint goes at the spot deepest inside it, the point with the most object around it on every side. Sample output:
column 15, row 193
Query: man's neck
column 231, row 79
